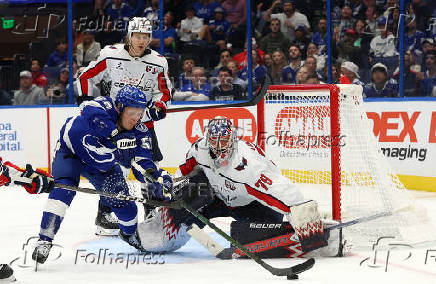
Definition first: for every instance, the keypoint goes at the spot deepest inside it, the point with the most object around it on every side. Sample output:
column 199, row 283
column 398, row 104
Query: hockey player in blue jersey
column 98, row 144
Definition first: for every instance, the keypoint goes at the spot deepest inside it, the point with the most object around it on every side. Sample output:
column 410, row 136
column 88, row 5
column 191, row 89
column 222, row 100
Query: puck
column 292, row 277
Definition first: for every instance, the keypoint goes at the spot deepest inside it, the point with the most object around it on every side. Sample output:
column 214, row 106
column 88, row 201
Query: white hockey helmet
column 139, row 25
column 221, row 138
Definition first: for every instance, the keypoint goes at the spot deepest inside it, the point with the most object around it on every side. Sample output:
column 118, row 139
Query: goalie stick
column 253, row 101
column 290, row 271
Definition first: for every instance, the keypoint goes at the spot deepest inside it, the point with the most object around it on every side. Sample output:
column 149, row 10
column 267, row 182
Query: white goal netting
column 298, row 136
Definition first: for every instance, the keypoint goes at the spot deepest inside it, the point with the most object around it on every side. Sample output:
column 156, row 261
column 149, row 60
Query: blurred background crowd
column 205, row 43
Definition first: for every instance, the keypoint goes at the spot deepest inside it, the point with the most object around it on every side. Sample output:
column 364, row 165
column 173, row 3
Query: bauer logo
column 303, row 127
column 241, row 118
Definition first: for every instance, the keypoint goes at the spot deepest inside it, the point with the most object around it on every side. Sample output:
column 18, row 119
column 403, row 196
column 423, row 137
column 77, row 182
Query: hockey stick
column 119, row 196
column 255, row 99
column 290, row 271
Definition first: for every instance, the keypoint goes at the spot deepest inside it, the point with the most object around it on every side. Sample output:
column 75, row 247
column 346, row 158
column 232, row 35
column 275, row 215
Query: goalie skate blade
column 99, row 231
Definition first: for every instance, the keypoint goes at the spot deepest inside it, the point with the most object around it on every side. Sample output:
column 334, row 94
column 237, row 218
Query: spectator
column 301, row 40
column 361, row 44
column 186, row 77
column 289, row 19
column 219, row 28
column 278, row 63
column 429, row 76
column 302, row 75
column 191, row 28
column 88, row 50
column 312, row 79
column 5, row 98
column 412, row 86
column 38, row 78
column 289, row 72
column 267, row 62
column 152, row 11
column 335, row 75
column 312, row 50
column 419, row 9
column 390, row 6
column 169, row 34
column 345, row 48
column 347, row 21
column 241, row 58
column 233, row 67
column 427, row 46
column 28, row 94
column 196, row 90
column 381, row 85
column 109, row 35
column 77, row 36
column 310, row 63
column 55, row 92
column 225, row 90
column 236, row 12
column 204, row 9
column 120, row 12
column 59, row 57
column 371, row 20
column 275, row 39
column 225, row 57
column 320, row 37
column 258, row 72
column 383, row 45
column 351, row 71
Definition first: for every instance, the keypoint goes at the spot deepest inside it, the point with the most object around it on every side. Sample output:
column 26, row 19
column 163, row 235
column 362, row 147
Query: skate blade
column 99, row 231
column 8, row 280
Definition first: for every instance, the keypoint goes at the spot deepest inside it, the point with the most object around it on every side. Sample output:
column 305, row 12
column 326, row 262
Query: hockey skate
column 41, row 251
column 133, row 240
column 6, row 274
column 106, row 224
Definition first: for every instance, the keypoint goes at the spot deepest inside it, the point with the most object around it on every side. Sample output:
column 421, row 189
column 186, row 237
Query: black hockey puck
column 292, row 277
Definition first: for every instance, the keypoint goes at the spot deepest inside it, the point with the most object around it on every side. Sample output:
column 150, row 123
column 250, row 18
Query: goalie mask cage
column 321, row 139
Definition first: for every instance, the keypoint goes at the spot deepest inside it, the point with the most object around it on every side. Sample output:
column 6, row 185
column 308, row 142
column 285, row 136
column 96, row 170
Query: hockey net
column 322, row 140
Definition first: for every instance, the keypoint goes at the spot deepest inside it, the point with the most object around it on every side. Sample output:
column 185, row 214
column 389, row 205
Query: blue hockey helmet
column 129, row 96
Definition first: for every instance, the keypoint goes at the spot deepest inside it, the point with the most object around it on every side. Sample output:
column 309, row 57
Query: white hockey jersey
column 115, row 68
column 248, row 177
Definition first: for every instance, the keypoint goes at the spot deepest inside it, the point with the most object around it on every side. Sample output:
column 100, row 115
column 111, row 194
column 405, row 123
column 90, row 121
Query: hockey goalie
column 232, row 178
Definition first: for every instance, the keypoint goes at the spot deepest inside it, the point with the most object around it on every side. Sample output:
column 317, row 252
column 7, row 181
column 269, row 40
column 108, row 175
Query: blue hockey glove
column 162, row 189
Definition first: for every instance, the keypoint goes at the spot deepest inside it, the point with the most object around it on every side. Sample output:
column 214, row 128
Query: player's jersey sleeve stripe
column 268, row 199
column 101, row 66
column 188, row 166
column 163, row 87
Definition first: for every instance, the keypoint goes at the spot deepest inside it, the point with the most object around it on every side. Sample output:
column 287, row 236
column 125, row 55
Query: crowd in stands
column 206, row 47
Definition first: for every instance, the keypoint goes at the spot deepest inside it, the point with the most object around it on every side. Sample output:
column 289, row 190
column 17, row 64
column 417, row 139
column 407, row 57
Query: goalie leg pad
column 307, row 222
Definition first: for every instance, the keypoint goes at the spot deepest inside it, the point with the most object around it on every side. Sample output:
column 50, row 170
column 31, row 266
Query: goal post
column 321, row 139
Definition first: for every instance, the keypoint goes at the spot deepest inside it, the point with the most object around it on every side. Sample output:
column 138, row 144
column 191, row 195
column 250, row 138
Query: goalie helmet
column 129, row 96
column 221, row 140
column 139, row 25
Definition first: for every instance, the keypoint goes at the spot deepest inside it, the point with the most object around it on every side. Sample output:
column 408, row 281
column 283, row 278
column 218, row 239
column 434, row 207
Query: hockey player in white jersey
column 242, row 183
column 132, row 63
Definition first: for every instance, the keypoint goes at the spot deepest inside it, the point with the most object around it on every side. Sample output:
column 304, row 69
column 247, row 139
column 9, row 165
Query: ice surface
column 20, row 215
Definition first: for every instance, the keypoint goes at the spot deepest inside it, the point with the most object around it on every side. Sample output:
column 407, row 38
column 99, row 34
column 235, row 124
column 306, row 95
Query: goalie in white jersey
column 241, row 183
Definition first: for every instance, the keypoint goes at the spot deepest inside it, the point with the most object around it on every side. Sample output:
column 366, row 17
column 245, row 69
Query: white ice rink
column 20, row 215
